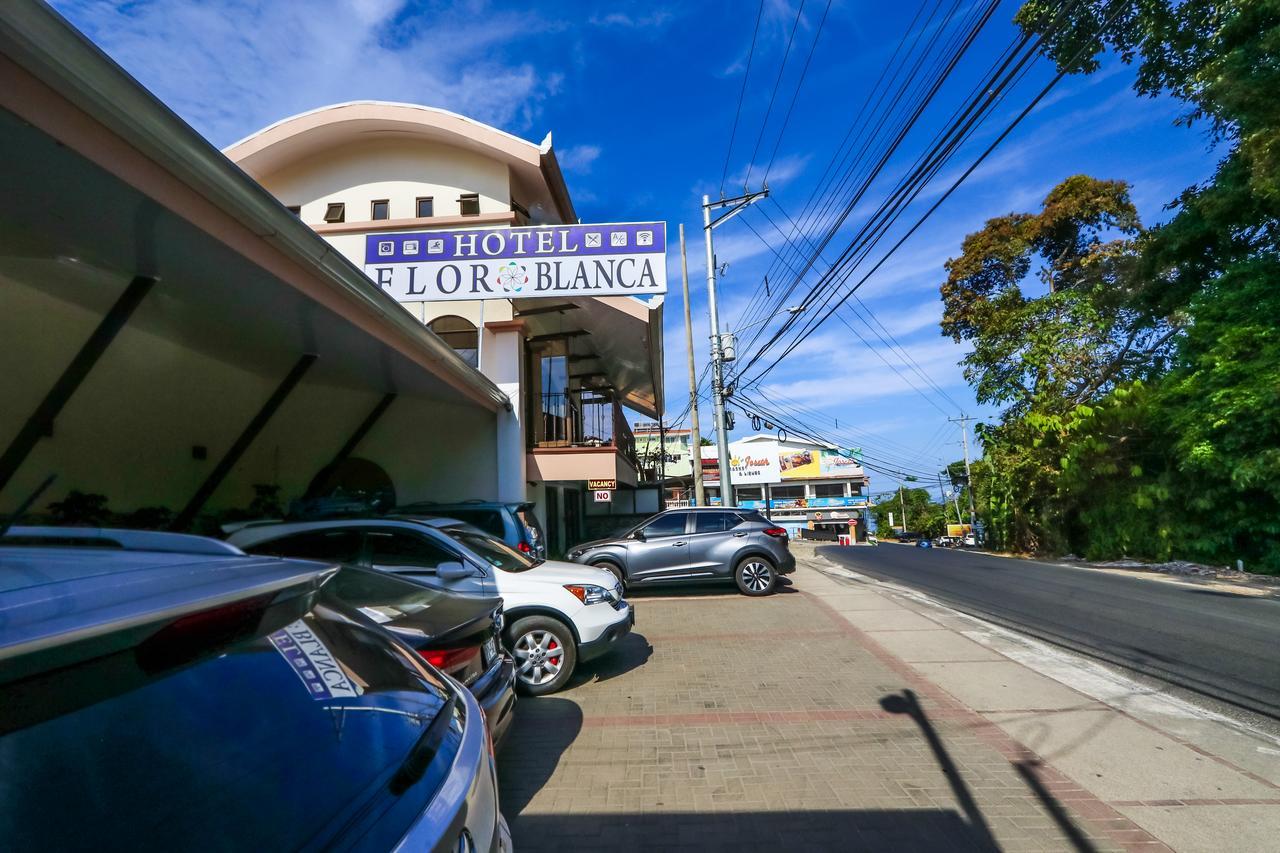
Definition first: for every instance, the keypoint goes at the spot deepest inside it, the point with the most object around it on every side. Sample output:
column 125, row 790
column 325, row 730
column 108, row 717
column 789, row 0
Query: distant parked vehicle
column 970, row 540
column 907, row 536
column 513, row 523
column 699, row 544
column 158, row 688
column 947, row 542
column 460, row 635
column 556, row 614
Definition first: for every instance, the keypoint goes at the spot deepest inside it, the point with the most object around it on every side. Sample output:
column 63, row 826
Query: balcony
column 582, row 435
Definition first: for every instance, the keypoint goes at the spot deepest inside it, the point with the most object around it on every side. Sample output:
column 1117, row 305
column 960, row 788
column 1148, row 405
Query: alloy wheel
column 539, row 657
column 757, row 576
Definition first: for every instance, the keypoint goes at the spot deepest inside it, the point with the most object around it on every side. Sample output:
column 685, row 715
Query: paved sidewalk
column 841, row 715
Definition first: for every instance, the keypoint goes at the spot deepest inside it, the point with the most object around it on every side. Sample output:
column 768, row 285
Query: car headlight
column 589, row 593
column 575, row 554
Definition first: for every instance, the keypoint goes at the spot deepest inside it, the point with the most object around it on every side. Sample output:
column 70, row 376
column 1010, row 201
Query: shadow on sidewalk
column 885, row 830
column 631, row 652
column 544, row 728
column 906, row 703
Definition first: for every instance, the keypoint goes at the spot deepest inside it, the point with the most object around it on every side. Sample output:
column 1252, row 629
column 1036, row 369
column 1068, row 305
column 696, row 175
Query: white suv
column 557, row 614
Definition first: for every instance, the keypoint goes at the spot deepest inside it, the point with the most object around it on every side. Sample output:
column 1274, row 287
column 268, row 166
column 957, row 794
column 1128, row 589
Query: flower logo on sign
column 513, row 277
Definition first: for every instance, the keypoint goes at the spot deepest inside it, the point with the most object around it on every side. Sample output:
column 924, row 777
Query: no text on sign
column 602, row 485
column 607, row 259
column 603, row 496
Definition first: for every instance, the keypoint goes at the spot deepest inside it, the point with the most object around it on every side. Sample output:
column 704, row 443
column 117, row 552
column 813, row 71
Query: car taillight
column 776, row 532
column 450, row 660
column 524, row 548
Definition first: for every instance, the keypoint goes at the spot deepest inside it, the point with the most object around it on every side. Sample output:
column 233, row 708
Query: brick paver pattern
column 727, row 722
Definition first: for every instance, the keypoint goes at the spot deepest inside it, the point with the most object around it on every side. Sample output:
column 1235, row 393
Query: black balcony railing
column 582, row 419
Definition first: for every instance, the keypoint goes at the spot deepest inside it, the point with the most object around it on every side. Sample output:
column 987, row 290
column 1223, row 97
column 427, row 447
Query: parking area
column 731, row 722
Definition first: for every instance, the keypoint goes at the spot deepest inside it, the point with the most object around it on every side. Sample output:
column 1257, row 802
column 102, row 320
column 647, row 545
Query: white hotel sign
column 619, row 259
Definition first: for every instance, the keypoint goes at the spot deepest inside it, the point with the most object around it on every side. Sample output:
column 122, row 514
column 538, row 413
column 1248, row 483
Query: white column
column 502, row 349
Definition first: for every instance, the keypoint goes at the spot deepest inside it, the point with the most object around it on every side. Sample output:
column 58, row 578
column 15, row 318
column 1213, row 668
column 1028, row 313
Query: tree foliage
column 1139, row 370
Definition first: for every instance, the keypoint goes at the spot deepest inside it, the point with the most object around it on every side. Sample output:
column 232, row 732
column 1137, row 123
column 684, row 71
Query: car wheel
column 613, row 568
column 755, row 576
column 544, row 652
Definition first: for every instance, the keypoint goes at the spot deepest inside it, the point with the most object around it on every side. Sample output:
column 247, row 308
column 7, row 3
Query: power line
column 746, row 183
column 796, row 94
column 741, row 94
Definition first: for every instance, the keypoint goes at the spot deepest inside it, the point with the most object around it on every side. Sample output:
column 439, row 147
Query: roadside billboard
column 814, row 464
column 609, row 259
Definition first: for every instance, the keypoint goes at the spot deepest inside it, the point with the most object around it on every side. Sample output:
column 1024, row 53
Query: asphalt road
column 1213, row 643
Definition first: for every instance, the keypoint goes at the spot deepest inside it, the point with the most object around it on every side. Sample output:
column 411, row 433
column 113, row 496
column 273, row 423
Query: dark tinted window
column 426, row 207
column 381, row 596
column 251, row 746
column 396, row 548
column 714, row 522
column 754, row 517
column 338, row 546
column 828, row 490
column 490, row 548
column 671, row 524
column 488, row 520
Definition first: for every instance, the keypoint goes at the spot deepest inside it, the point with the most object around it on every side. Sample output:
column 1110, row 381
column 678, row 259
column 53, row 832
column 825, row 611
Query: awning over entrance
column 171, row 334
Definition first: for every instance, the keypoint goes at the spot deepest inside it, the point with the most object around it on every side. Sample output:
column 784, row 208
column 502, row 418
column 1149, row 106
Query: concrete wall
column 360, row 174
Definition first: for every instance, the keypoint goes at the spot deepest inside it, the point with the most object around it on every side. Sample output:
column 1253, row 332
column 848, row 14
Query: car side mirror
column 639, row 536
column 454, row 571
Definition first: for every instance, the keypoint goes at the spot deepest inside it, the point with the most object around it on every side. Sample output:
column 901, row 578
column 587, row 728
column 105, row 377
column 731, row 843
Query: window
column 335, row 212
column 392, row 548
column 714, row 522
column 787, row 492
column 382, row 209
column 339, row 546
column 426, row 207
column 459, row 334
column 671, row 524
column 749, row 493
column 295, row 209
column 495, row 552
column 828, row 490
column 469, row 204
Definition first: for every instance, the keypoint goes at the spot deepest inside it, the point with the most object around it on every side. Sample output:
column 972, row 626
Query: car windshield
column 495, row 552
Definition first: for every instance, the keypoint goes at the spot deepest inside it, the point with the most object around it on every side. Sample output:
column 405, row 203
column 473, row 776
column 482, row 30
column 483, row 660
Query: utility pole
column 695, row 440
column 736, row 205
column 963, row 420
column 902, row 500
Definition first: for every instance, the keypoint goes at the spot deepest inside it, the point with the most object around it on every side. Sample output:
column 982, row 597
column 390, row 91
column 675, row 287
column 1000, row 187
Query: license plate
column 490, row 650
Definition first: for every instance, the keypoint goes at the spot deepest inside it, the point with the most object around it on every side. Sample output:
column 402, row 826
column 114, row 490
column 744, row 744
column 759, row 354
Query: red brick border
column 1095, row 814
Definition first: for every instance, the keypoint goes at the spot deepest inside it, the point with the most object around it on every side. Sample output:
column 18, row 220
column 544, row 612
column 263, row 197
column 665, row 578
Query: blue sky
column 641, row 98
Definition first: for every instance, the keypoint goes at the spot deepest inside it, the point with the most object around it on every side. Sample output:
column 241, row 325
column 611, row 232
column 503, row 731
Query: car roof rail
column 116, row 539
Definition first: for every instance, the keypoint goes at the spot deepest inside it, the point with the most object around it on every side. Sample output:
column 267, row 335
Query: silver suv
column 695, row 545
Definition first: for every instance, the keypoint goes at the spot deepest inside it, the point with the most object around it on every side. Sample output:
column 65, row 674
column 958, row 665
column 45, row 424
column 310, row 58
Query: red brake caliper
column 551, row 648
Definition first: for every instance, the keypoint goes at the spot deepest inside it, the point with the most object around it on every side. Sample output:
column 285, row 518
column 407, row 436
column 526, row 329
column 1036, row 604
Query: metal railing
column 583, row 419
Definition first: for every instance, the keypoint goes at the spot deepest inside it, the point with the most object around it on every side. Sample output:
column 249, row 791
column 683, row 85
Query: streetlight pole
column 695, row 440
column 736, row 205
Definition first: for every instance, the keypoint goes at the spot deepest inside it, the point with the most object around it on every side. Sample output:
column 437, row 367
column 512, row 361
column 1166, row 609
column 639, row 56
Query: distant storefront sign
column 619, row 259
column 750, row 463
column 602, row 485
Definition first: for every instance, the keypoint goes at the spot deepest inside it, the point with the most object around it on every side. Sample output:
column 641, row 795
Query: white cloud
column 232, row 68
column 654, row 20
column 578, row 158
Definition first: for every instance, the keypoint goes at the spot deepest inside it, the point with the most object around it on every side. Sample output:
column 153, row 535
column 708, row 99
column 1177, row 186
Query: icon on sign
column 593, row 240
column 435, row 247
column 644, row 238
column 411, row 247
column 618, row 238
column 386, row 247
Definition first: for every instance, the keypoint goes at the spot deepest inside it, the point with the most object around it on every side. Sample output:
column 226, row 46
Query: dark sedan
column 458, row 634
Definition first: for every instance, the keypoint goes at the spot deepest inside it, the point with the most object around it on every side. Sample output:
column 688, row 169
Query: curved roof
column 298, row 137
